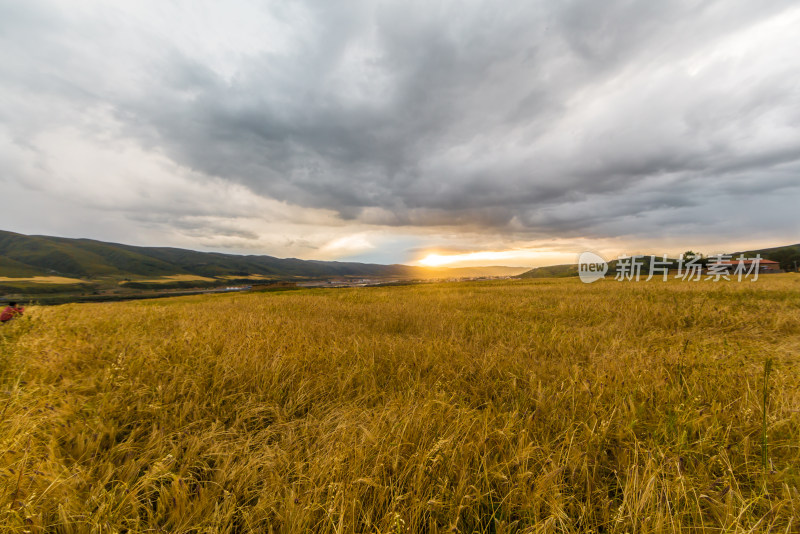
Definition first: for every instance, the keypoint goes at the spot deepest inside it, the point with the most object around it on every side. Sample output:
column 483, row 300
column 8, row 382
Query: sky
column 427, row 132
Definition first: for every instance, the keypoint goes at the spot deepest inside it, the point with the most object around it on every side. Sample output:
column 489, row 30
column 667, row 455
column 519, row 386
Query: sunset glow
column 519, row 257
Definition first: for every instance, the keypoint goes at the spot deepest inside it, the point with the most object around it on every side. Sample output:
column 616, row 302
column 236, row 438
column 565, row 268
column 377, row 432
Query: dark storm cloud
column 537, row 117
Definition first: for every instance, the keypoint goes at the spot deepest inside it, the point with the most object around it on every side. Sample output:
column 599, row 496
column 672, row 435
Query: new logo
column 591, row 267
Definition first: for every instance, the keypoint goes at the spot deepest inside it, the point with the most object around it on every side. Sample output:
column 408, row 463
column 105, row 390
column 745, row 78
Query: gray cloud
column 537, row 118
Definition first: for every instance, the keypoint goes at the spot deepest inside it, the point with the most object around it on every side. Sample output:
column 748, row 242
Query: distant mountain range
column 787, row 256
column 30, row 256
column 26, row 256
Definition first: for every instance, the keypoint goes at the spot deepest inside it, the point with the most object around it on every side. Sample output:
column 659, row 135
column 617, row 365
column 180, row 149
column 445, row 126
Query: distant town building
column 764, row 266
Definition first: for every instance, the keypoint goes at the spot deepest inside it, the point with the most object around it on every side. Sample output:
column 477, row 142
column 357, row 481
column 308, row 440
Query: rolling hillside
column 551, row 271
column 785, row 255
column 29, row 256
column 788, row 256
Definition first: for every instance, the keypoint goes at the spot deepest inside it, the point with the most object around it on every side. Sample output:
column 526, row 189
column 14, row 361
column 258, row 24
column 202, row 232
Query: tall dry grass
column 519, row 406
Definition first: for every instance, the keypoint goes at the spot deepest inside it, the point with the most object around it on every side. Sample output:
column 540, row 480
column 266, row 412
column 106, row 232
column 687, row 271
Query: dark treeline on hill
column 27, row 256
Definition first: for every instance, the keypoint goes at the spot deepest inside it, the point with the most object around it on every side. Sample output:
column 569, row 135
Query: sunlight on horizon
column 511, row 258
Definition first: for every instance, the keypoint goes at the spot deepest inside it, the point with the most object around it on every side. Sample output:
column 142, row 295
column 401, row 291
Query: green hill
column 28, row 256
column 551, row 271
column 785, row 255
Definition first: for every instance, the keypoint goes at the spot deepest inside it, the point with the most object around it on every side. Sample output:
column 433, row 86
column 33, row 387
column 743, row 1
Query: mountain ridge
column 37, row 255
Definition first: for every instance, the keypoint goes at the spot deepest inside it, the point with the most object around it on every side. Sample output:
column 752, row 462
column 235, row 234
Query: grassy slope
column 16, row 269
column 23, row 256
column 785, row 255
column 788, row 257
column 551, row 271
column 494, row 407
column 88, row 258
column 75, row 257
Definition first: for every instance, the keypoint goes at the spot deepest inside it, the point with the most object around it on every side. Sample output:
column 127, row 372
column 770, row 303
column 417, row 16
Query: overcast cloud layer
column 372, row 130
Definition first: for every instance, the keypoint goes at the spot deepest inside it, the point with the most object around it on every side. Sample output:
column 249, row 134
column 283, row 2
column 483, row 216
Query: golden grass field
column 43, row 280
column 509, row 406
column 175, row 278
column 249, row 277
